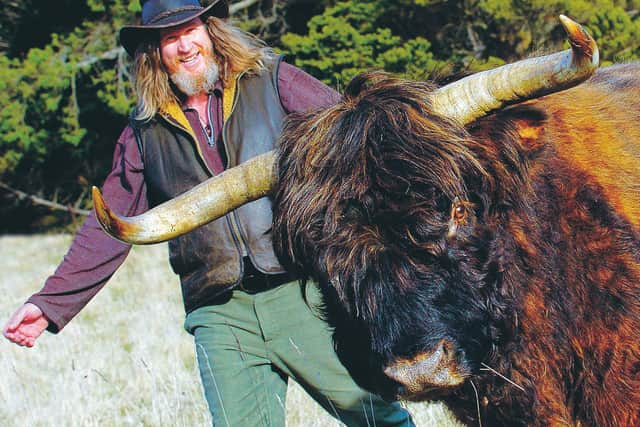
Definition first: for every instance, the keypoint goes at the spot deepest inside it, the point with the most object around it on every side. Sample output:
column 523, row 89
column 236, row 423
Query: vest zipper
column 234, row 222
column 211, row 139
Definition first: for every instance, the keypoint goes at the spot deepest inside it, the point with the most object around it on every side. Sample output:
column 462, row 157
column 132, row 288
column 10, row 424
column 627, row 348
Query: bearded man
column 210, row 97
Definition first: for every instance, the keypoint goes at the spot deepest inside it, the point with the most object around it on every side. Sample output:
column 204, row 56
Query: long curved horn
column 204, row 203
column 479, row 94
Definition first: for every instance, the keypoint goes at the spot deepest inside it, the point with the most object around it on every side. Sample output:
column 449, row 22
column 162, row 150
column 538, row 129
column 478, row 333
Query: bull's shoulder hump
column 595, row 128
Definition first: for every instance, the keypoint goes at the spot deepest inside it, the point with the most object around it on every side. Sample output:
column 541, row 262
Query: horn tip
column 98, row 203
column 580, row 39
column 104, row 215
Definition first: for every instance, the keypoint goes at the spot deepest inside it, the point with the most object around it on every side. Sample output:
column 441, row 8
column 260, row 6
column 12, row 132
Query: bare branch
column 244, row 4
column 40, row 201
column 74, row 100
column 110, row 54
column 476, row 43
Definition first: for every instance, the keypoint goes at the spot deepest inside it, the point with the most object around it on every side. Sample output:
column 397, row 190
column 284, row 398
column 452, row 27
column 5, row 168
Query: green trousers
column 248, row 347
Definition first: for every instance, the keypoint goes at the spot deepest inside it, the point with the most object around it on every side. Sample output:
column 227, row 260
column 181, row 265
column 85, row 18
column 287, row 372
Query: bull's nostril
column 400, row 390
column 392, row 389
column 444, row 349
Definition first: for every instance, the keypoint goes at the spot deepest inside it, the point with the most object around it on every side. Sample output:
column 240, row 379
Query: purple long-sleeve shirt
column 94, row 256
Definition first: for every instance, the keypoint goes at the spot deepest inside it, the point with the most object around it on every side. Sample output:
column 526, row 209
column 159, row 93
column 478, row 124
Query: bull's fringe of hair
column 357, row 149
column 234, row 50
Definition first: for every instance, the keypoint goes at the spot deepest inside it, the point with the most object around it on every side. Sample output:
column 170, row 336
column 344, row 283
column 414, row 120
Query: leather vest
column 209, row 260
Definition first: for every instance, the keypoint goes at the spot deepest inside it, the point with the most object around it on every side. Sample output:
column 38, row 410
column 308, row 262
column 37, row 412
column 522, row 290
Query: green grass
column 125, row 359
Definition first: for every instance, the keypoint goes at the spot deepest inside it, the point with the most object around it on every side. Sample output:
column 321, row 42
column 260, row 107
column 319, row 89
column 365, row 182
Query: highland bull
column 477, row 243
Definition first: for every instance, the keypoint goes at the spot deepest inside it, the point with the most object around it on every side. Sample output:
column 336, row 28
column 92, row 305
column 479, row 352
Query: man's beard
column 190, row 84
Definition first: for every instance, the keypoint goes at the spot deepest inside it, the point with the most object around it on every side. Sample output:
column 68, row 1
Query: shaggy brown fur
column 515, row 240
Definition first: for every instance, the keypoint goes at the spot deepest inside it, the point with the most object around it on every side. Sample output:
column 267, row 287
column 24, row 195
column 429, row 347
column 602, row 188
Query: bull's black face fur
column 384, row 205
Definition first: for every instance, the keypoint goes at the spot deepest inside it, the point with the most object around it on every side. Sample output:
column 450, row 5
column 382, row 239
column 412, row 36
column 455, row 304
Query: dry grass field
column 125, row 360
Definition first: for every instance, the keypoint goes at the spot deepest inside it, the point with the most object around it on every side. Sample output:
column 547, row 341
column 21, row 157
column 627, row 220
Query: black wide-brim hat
column 158, row 14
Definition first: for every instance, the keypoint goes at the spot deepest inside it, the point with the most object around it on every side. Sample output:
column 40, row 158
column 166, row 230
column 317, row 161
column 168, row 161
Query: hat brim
column 132, row 35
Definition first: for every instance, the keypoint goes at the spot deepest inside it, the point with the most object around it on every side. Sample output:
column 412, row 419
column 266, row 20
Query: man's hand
column 26, row 325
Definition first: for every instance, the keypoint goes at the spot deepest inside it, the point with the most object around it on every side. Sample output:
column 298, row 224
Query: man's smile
column 191, row 61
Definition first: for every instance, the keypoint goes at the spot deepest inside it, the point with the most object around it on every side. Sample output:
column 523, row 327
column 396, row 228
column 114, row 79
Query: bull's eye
column 460, row 212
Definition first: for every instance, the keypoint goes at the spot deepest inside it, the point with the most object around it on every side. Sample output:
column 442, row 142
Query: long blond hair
column 234, row 50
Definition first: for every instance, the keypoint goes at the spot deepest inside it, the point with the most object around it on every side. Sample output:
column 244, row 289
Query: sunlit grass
column 125, row 359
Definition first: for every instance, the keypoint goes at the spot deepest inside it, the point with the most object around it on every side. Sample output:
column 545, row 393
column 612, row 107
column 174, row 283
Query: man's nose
column 184, row 44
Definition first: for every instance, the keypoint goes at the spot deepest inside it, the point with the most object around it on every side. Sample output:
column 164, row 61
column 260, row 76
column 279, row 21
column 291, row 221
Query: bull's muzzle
column 426, row 373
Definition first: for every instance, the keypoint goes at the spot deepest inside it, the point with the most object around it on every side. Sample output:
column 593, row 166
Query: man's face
column 187, row 54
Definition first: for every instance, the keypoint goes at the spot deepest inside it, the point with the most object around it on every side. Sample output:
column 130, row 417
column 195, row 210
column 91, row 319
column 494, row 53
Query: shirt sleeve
column 301, row 92
column 94, row 256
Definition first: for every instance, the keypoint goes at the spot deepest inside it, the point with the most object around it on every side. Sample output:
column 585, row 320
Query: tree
column 346, row 40
column 412, row 37
column 65, row 95
column 61, row 106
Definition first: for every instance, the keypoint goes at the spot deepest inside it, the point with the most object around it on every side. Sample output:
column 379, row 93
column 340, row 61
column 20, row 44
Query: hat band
column 168, row 13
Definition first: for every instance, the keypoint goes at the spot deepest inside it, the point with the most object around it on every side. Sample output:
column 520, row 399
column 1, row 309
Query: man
column 210, row 97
